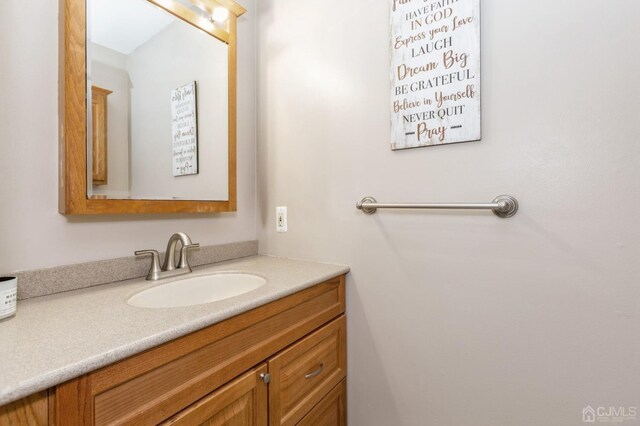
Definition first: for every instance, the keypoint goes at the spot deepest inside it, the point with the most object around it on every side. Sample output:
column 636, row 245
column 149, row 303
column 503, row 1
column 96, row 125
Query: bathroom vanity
column 276, row 355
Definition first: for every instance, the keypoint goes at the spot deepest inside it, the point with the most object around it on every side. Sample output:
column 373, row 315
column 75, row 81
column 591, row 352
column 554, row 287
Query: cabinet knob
column 265, row 377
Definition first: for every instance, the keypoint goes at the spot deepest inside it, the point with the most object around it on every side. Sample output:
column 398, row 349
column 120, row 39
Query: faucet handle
column 184, row 260
column 154, row 272
column 153, row 253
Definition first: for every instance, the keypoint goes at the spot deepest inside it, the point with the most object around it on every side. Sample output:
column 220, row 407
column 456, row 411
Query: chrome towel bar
column 503, row 206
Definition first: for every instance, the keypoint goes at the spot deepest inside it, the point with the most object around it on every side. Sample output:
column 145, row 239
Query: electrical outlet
column 281, row 219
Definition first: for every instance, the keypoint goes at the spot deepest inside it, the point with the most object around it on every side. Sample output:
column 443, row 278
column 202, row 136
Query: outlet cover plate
column 281, row 219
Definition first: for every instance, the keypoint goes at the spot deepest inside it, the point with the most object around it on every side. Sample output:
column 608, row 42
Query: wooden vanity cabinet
column 283, row 363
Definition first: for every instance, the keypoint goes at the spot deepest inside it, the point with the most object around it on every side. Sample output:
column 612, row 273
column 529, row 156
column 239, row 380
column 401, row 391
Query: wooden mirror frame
column 72, row 191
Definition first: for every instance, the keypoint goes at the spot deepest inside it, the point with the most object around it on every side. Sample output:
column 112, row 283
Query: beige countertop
column 56, row 338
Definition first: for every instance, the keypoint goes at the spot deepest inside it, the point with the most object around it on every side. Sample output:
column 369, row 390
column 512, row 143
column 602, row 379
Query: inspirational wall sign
column 435, row 72
column 184, row 128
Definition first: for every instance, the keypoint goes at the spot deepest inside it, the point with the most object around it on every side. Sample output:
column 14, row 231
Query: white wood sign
column 184, row 127
column 435, row 72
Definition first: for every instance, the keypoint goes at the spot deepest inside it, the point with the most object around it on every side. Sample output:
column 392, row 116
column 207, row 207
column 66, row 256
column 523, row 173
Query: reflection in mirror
column 158, row 127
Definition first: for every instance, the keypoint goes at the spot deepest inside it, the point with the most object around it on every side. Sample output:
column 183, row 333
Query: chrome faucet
column 169, row 268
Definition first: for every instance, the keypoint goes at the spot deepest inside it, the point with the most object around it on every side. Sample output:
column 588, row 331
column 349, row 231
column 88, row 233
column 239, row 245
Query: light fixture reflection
column 220, row 15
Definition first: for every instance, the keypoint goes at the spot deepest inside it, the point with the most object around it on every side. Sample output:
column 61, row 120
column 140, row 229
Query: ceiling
column 124, row 25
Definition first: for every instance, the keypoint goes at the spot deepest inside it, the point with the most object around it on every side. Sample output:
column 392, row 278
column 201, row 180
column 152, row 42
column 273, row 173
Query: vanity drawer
column 331, row 411
column 304, row 373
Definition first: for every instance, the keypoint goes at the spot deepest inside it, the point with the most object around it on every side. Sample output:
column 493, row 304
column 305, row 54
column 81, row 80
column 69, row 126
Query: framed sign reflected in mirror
column 157, row 131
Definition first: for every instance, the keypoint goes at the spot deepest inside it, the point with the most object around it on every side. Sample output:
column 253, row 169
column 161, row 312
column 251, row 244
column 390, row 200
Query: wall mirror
column 147, row 106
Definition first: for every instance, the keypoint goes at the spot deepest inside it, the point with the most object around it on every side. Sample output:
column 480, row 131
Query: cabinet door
column 242, row 402
column 302, row 375
column 99, row 134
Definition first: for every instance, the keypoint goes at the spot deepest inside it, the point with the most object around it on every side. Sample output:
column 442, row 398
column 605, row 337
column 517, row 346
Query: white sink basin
column 198, row 290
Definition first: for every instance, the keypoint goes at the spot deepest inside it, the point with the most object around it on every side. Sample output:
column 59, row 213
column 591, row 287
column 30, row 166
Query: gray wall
column 459, row 318
column 33, row 233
